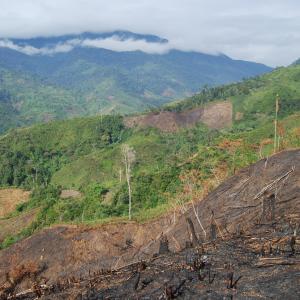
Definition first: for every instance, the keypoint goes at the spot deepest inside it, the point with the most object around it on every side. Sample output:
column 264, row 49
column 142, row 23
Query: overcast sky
column 266, row 31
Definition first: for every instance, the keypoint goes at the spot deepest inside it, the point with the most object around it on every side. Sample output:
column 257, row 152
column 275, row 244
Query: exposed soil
column 214, row 115
column 10, row 198
column 248, row 223
column 70, row 194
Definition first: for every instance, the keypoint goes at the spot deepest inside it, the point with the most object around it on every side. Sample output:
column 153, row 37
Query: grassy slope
column 85, row 154
column 260, row 101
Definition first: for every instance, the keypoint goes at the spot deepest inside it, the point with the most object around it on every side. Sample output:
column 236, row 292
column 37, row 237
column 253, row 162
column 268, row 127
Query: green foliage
column 29, row 157
column 95, row 191
column 8, row 241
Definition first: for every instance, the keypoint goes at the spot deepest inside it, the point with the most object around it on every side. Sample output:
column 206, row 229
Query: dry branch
column 197, row 217
column 270, row 185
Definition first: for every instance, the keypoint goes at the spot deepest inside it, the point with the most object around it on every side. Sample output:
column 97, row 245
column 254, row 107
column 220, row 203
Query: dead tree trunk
column 213, row 228
column 194, row 238
column 268, row 207
column 163, row 245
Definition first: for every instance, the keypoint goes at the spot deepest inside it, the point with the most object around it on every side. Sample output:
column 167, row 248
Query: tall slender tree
column 275, row 122
column 128, row 156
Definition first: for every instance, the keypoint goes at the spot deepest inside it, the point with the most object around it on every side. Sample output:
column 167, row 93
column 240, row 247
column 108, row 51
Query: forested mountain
column 75, row 75
column 25, row 100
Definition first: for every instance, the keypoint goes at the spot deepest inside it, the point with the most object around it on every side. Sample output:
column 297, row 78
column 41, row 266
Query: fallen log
column 264, row 262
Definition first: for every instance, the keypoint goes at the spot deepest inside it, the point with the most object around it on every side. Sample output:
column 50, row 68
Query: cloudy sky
column 266, row 31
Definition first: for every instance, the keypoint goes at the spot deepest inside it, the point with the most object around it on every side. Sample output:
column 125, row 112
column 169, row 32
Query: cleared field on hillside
column 10, row 198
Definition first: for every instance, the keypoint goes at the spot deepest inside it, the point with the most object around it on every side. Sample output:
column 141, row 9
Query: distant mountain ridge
column 77, row 75
column 122, row 35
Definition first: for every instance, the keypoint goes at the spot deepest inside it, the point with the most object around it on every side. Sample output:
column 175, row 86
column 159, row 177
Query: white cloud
column 116, row 44
column 267, row 31
column 113, row 43
column 29, row 50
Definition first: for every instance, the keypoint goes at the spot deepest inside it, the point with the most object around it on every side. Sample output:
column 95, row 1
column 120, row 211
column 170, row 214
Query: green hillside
column 27, row 99
column 85, row 154
column 253, row 99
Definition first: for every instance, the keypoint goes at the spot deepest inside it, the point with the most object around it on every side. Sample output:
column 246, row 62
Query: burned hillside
column 241, row 241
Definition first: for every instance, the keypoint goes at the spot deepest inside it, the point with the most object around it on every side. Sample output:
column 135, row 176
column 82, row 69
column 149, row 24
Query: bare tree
column 128, row 155
column 276, row 123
